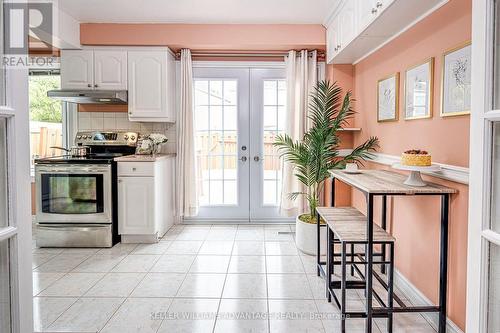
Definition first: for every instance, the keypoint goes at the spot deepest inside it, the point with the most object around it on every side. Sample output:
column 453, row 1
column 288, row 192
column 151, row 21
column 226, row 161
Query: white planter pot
column 305, row 237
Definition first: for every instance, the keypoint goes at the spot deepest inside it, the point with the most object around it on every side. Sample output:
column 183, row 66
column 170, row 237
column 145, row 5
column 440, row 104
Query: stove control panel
column 118, row 138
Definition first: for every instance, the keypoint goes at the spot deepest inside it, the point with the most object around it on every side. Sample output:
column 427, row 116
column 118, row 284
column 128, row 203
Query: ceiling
column 198, row 11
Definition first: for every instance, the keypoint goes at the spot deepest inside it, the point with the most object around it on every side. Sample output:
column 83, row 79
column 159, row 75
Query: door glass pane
column 72, row 194
column 3, row 173
column 496, row 57
column 273, row 122
column 494, row 289
column 216, row 141
column 2, row 68
column 5, row 320
column 495, row 184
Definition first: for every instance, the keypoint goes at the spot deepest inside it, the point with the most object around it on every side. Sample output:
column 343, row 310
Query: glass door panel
column 268, row 120
column 5, row 292
column 494, row 289
column 3, row 174
column 221, row 141
column 5, row 251
column 493, row 250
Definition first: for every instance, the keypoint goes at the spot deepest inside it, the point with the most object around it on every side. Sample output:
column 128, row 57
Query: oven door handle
column 73, row 227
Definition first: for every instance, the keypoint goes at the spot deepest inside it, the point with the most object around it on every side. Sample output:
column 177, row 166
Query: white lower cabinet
column 145, row 199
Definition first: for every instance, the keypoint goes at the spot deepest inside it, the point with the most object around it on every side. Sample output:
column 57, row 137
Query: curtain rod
column 234, row 54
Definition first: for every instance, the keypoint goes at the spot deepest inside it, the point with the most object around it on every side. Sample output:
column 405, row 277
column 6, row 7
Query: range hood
column 90, row 96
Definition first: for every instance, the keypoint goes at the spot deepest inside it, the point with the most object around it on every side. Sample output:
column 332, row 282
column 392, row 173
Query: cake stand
column 415, row 178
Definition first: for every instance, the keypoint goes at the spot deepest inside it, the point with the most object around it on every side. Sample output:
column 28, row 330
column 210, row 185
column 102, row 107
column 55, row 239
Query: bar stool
column 347, row 227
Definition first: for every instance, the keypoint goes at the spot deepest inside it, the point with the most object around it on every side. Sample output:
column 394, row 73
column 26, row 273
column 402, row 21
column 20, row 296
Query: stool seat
column 349, row 225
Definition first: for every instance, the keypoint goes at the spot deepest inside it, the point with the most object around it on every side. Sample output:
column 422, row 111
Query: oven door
column 67, row 193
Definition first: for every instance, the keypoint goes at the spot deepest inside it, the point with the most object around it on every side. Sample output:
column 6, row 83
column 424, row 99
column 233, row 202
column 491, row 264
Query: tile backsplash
column 88, row 121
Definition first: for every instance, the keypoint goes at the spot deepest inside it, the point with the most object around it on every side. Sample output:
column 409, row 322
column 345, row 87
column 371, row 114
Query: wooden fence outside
column 214, row 144
column 42, row 140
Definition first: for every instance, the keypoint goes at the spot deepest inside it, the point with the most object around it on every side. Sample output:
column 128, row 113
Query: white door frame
column 245, row 65
column 482, row 117
column 19, row 231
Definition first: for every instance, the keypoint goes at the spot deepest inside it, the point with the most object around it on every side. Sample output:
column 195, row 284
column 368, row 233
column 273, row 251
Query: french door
column 483, row 277
column 238, row 112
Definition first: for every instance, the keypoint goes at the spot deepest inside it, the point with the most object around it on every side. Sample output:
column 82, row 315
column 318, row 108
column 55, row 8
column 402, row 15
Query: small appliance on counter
column 76, row 196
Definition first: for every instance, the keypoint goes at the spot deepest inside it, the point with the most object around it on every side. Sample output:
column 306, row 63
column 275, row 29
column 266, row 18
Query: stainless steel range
column 76, row 196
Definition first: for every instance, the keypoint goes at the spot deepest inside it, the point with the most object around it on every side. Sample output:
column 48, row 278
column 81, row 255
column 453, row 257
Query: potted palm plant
column 318, row 152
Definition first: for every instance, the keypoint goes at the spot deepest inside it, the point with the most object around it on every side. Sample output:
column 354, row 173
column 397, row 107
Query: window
column 274, row 124
column 216, row 141
column 5, row 312
column 46, row 115
column 2, row 69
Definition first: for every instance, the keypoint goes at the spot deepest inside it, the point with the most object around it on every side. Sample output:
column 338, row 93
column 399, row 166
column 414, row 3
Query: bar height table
column 387, row 183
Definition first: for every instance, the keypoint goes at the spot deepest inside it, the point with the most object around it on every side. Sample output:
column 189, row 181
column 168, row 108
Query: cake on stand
column 415, row 178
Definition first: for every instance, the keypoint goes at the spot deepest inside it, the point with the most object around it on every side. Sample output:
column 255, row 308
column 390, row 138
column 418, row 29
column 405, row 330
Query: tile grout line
column 267, row 288
column 180, row 285
column 223, row 285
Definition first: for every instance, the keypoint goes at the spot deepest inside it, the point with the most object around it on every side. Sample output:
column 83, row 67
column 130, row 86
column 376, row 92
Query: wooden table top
column 387, row 182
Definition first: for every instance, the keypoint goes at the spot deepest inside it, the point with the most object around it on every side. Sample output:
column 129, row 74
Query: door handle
column 243, row 159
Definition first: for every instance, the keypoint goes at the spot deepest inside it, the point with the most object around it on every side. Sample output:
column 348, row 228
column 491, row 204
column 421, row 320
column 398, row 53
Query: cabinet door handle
column 374, row 10
column 134, row 169
column 89, row 85
column 379, row 4
column 95, row 85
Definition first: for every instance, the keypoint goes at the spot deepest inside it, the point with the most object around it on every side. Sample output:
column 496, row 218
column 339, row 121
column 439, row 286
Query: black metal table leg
column 369, row 264
column 352, row 259
column 332, row 194
column 329, row 262
column 332, row 204
column 343, row 288
column 318, row 243
column 384, row 226
column 390, row 292
column 443, row 262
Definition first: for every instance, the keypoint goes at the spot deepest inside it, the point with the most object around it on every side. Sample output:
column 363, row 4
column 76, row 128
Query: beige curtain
column 301, row 77
column 187, row 199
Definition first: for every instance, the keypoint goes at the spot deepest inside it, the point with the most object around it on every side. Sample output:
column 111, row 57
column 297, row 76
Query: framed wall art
column 419, row 90
column 388, row 98
column 456, row 81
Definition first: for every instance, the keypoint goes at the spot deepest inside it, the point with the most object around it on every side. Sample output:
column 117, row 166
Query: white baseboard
column 416, row 297
column 198, row 220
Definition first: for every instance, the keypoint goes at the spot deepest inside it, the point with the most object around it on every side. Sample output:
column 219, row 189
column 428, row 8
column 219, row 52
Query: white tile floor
column 196, row 279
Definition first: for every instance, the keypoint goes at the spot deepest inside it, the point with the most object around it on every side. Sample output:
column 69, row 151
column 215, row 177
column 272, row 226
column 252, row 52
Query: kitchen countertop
column 143, row 158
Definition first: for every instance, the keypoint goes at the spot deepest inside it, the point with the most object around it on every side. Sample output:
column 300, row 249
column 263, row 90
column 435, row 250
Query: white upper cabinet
column 347, row 23
column 89, row 69
column 151, row 76
column 77, row 69
column 332, row 37
column 110, row 70
column 357, row 28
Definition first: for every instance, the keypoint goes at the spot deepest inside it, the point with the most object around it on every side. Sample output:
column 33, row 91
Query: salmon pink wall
column 207, row 36
column 415, row 220
column 343, row 76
